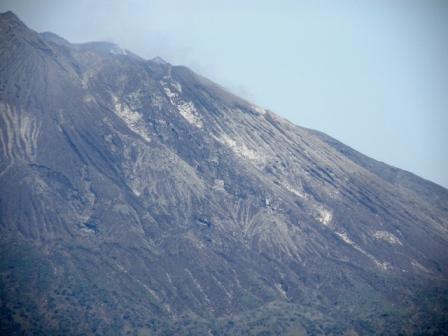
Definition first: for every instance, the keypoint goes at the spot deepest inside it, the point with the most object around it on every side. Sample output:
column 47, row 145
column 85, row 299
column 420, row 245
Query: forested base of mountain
column 39, row 297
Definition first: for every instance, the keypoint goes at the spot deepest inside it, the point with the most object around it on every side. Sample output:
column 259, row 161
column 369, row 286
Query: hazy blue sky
column 373, row 74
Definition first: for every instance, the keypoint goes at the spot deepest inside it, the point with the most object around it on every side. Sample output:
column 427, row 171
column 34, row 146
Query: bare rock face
column 137, row 197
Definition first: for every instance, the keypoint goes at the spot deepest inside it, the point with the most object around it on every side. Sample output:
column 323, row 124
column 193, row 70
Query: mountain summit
column 140, row 198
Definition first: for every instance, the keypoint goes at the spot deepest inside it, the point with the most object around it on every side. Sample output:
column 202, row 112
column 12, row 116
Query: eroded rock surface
column 139, row 197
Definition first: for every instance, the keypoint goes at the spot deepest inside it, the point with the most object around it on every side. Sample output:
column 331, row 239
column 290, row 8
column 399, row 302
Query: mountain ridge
column 138, row 196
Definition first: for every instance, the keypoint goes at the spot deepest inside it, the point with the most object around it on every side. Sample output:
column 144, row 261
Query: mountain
column 139, row 198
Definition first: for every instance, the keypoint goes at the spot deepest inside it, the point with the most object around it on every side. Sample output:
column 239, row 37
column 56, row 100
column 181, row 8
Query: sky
column 372, row 74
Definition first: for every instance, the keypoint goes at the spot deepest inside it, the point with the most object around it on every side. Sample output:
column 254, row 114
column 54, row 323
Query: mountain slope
column 139, row 197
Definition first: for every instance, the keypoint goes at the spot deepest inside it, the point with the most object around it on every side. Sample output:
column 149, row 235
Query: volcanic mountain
column 137, row 197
